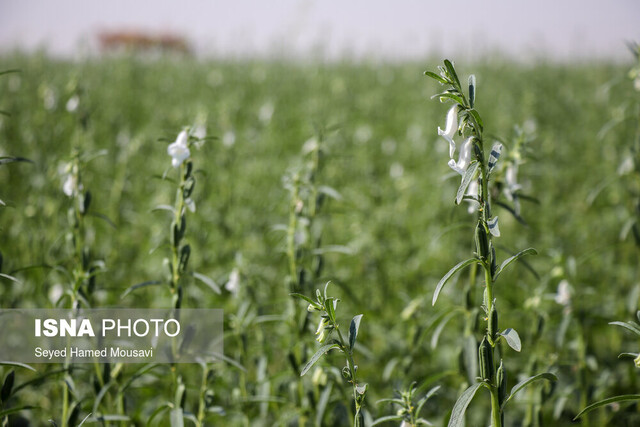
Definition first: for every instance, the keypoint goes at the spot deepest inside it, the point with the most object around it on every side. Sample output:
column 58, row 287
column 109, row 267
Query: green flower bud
column 501, row 379
column 485, row 360
column 482, row 241
column 493, row 322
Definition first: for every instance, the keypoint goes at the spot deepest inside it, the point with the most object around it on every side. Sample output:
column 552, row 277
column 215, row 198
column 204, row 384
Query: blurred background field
column 265, row 82
column 396, row 214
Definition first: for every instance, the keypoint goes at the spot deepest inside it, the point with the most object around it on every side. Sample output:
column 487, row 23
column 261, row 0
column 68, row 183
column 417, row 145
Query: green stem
column 179, row 208
column 352, row 370
column 201, row 399
column 484, row 216
column 65, row 404
column 496, row 418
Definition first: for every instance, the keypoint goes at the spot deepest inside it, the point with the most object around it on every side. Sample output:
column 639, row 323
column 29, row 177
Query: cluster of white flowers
column 451, row 129
column 464, row 158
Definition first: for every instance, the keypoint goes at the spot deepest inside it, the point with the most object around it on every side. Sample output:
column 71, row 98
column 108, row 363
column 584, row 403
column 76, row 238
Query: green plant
column 475, row 163
column 326, row 306
column 408, row 410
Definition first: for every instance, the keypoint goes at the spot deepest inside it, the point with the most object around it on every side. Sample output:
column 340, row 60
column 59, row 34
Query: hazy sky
column 398, row 29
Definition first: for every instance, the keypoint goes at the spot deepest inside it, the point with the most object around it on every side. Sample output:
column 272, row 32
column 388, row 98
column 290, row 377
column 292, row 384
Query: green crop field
column 307, row 174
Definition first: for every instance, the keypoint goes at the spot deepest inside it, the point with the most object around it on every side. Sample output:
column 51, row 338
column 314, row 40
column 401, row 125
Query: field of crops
column 313, row 173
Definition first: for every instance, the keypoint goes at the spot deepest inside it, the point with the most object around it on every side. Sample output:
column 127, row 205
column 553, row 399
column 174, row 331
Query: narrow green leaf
column 522, row 384
column 505, row 264
column 338, row 249
column 138, row 374
column 353, row 330
column 207, row 281
column 12, row 70
column 7, row 387
column 631, row 326
column 452, row 73
column 451, row 96
column 447, row 276
column 604, row 402
column 437, row 77
column 440, row 327
column 477, row 118
column 140, row 285
column 331, row 192
column 304, row 297
column 322, row 350
column 390, row 400
column 85, row 419
column 38, row 380
column 22, row 365
column 466, row 180
column 8, row 277
column 322, row 403
column 330, row 308
column 108, row 417
column 386, row 419
column 100, row 396
column 176, row 417
column 14, row 410
column 164, row 208
column 513, row 339
column 627, row 355
column 11, row 159
column 160, row 409
column 425, row 398
column 457, row 414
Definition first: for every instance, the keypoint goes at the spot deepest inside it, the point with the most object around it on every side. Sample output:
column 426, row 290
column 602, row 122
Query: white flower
column 69, row 185
column 179, row 151
column 563, row 296
column 396, row 170
column 200, row 131
column 72, row 103
column 266, row 112
column 50, row 100
column 511, row 181
column 626, row 166
column 233, row 284
column 464, row 160
column 405, row 423
column 229, row 138
column 363, row 134
column 322, row 331
column 55, row 292
column 451, row 129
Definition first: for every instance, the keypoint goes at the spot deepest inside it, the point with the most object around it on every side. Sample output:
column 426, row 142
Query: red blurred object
column 142, row 41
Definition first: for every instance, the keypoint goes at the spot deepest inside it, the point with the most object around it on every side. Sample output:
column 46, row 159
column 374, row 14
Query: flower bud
column 322, row 330
column 493, row 322
column 485, row 360
column 501, row 379
column 482, row 241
